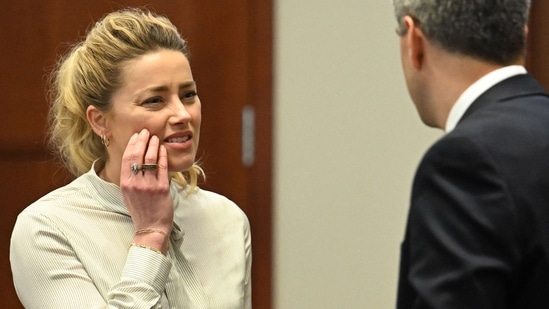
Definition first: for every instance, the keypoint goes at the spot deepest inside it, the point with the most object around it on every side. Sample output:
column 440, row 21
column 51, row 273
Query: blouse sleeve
column 248, row 252
column 48, row 273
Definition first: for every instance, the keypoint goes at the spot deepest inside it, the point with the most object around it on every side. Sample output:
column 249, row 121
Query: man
column 477, row 234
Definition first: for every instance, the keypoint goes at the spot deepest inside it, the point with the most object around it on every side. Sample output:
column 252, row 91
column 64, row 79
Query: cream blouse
column 71, row 249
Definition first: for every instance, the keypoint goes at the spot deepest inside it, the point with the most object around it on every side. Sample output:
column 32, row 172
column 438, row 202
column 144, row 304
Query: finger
column 162, row 164
column 127, row 159
column 150, row 165
column 151, row 156
column 138, row 151
column 133, row 154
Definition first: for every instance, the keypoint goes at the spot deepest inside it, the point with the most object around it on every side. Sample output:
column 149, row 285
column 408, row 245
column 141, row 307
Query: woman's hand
column 146, row 193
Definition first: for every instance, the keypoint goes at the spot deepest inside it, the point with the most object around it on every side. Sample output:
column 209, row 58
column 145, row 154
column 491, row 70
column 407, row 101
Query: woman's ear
column 97, row 120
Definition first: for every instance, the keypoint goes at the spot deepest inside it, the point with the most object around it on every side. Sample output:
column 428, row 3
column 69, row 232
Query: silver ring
column 149, row 167
column 135, row 168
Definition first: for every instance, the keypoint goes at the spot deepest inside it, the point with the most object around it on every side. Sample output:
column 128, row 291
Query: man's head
column 488, row 30
column 447, row 45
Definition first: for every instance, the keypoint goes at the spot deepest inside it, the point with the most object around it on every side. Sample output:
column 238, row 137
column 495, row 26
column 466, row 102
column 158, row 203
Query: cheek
column 122, row 129
column 155, row 123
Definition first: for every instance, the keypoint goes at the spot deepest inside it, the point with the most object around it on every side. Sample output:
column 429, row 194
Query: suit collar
column 475, row 90
column 508, row 89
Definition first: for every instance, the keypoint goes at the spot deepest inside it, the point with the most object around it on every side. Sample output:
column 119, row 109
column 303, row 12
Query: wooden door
column 537, row 61
column 230, row 45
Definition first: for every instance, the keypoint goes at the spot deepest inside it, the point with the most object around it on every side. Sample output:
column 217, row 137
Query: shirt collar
column 476, row 89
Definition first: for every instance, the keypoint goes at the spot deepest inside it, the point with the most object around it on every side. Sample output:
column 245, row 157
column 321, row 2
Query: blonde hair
column 90, row 73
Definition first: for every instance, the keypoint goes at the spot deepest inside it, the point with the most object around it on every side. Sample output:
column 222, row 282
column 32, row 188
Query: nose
column 180, row 114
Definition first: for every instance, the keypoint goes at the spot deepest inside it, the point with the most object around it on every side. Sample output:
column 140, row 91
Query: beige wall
column 347, row 143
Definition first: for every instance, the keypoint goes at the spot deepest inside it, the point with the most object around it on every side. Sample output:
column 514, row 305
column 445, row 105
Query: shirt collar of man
column 476, row 89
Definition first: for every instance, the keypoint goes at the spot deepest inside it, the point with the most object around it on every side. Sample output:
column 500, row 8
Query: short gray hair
column 490, row 30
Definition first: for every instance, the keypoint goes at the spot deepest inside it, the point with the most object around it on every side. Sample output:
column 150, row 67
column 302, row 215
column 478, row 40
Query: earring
column 105, row 140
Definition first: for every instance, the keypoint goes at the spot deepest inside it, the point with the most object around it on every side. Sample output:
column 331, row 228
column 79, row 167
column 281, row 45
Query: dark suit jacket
column 477, row 234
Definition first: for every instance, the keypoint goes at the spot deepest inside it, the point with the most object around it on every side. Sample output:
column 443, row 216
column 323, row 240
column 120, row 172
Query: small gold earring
column 105, row 140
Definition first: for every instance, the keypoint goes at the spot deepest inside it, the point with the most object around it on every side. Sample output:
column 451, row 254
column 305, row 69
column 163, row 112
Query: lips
column 178, row 139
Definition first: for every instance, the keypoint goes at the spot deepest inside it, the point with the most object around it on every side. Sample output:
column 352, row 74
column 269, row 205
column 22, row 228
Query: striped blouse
column 71, row 249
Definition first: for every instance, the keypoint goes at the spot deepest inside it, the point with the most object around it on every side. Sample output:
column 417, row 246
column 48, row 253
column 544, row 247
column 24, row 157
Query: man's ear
column 97, row 120
column 415, row 40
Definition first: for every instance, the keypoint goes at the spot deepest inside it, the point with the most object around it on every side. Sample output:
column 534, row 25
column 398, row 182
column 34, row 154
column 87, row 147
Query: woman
column 133, row 230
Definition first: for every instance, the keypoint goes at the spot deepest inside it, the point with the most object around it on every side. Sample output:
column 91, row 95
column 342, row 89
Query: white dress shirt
column 476, row 90
column 71, row 249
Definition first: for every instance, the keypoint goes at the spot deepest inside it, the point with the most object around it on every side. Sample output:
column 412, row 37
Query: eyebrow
column 165, row 88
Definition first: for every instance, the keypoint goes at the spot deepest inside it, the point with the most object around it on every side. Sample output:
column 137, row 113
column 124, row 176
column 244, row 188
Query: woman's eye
column 190, row 94
column 154, row 100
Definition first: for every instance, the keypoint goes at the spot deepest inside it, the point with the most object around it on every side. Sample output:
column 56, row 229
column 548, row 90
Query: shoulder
column 508, row 125
column 55, row 197
column 59, row 205
column 214, row 204
column 505, row 139
column 455, row 158
column 502, row 114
